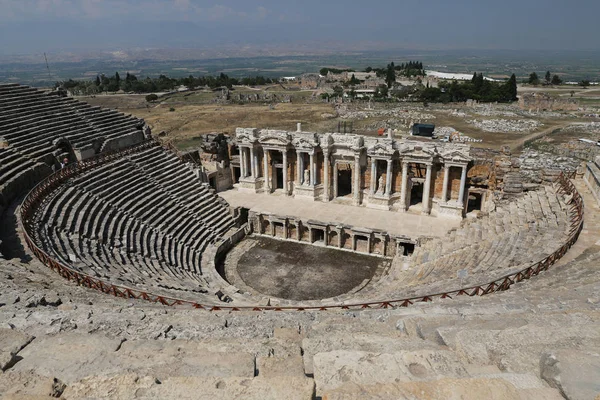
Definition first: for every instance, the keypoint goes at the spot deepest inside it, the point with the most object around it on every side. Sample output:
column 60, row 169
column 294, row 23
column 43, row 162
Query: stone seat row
column 536, row 207
column 113, row 225
column 187, row 192
column 486, row 248
column 522, row 232
column 124, row 268
column 80, row 130
column 31, row 121
column 144, row 212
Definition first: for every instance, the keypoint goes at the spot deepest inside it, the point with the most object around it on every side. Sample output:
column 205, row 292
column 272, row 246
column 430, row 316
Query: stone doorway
column 278, row 178
column 237, row 173
column 318, row 236
column 416, row 193
column 475, row 201
column 344, row 180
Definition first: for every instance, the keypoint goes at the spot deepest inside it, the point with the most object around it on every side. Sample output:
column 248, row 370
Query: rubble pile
column 584, row 127
column 397, row 113
column 575, row 149
column 535, row 164
column 506, row 125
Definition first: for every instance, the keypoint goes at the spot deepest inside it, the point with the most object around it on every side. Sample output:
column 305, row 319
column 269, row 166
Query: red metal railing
column 37, row 194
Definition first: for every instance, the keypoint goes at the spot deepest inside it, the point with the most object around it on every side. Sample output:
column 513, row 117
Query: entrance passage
column 318, row 236
column 474, row 203
column 416, row 193
column 237, row 173
column 344, row 180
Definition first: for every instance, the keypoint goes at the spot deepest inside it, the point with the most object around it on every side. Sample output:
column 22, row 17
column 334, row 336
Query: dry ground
column 186, row 123
column 193, row 114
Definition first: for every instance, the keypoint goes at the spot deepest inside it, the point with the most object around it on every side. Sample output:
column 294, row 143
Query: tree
column 534, row 79
column 381, row 92
column 390, row 76
column 97, row 80
column 584, row 83
column 548, row 77
column 338, row 91
column 151, row 97
column 556, row 80
column 368, row 69
column 511, row 88
column 323, row 71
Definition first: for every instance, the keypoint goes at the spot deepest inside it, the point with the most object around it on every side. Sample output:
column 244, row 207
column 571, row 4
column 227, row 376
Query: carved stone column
column 445, row 186
column 242, row 162
column 373, row 175
column 388, row 178
column 312, row 169
column 463, row 183
column 326, row 174
column 266, row 172
column 335, row 180
column 256, row 164
column 356, row 183
column 253, row 173
column 299, row 169
column 426, row 190
column 285, row 168
column 404, row 186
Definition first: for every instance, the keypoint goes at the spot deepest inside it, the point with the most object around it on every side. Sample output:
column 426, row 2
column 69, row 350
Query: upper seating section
column 38, row 130
column 33, row 123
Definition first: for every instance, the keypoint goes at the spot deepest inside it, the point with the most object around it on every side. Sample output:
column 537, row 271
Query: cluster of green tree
column 477, row 88
column 411, row 68
column 549, row 79
column 163, row 83
column 323, row 71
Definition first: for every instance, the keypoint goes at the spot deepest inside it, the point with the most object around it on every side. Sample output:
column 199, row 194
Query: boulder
column 575, row 373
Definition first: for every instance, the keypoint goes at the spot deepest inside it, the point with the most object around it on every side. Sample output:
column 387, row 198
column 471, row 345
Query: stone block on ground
column 69, row 356
column 11, row 343
column 132, row 386
column 333, row 369
column 271, row 367
column 575, row 373
column 29, row 385
column 442, row 389
column 360, row 342
column 162, row 359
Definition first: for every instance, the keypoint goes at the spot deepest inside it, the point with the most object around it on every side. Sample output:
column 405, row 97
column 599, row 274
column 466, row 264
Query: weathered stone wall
column 544, row 101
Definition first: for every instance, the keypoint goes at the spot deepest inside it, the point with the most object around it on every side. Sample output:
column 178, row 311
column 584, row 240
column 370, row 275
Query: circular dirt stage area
column 298, row 271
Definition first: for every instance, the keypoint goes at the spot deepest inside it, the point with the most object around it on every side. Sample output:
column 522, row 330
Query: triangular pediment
column 456, row 156
column 381, row 149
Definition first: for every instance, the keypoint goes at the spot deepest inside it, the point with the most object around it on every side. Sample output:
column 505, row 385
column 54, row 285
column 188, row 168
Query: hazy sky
column 28, row 26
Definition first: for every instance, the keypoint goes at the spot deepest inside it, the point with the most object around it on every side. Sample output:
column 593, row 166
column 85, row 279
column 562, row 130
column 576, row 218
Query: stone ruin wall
column 546, row 102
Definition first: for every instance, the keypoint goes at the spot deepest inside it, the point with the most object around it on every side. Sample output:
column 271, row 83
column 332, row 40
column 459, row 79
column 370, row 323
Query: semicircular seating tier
column 38, row 129
column 507, row 240
column 141, row 221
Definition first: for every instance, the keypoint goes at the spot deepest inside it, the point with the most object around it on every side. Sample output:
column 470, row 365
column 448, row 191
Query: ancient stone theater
column 262, row 263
